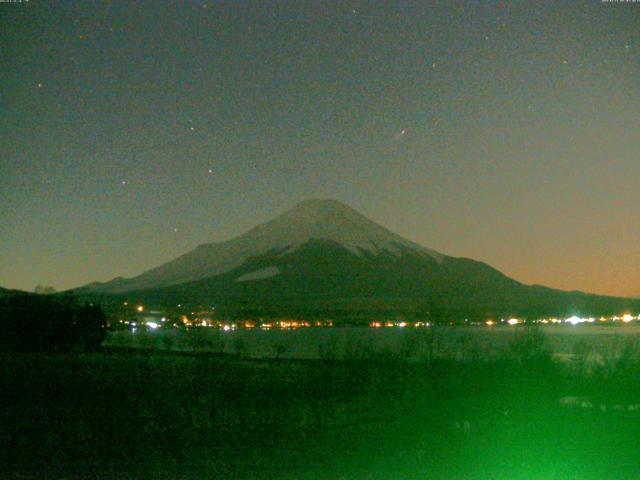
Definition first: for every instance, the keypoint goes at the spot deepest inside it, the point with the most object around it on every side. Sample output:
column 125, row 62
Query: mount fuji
column 324, row 258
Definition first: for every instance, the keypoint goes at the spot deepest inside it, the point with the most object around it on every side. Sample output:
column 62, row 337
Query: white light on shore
column 575, row 320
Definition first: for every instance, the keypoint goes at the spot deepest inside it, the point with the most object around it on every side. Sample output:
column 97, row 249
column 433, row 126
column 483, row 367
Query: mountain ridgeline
column 323, row 259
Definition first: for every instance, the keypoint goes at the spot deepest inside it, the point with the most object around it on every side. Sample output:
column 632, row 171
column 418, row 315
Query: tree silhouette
column 44, row 289
column 50, row 323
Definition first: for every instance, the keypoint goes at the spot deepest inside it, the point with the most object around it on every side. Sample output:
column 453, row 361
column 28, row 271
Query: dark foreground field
column 127, row 415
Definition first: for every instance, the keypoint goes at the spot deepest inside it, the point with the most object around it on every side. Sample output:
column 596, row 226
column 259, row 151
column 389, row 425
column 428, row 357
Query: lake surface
column 565, row 341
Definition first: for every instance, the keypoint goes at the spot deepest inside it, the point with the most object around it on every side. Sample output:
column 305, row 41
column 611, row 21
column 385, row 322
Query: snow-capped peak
column 308, row 221
column 329, row 220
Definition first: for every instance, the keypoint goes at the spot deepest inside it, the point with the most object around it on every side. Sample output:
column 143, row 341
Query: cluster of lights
column 573, row 320
column 245, row 324
column 294, row 324
column 398, row 324
column 550, row 320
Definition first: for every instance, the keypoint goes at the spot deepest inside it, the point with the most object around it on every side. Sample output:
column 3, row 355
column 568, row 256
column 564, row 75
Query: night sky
column 505, row 132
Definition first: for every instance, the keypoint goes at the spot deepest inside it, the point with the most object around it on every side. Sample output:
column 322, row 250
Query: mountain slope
column 322, row 257
column 309, row 220
column 324, row 278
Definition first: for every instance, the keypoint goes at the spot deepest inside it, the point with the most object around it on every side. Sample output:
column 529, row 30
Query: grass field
column 126, row 414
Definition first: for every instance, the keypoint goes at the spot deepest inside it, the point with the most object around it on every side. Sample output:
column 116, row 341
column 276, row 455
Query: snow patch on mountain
column 259, row 274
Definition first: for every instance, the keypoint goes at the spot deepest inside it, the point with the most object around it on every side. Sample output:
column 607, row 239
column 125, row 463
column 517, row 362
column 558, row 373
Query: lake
column 593, row 342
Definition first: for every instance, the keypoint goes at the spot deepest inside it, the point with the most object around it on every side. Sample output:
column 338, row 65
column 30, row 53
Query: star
column 123, row 182
column 401, row 134
column 39, row 85
column 210, row 171
column 192, row 128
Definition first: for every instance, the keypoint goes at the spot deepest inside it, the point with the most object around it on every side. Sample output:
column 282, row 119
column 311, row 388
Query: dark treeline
column 530, row 303
column 50, row 323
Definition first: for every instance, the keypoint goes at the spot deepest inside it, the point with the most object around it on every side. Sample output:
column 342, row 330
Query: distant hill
column 6, row 292
column 322, row 257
